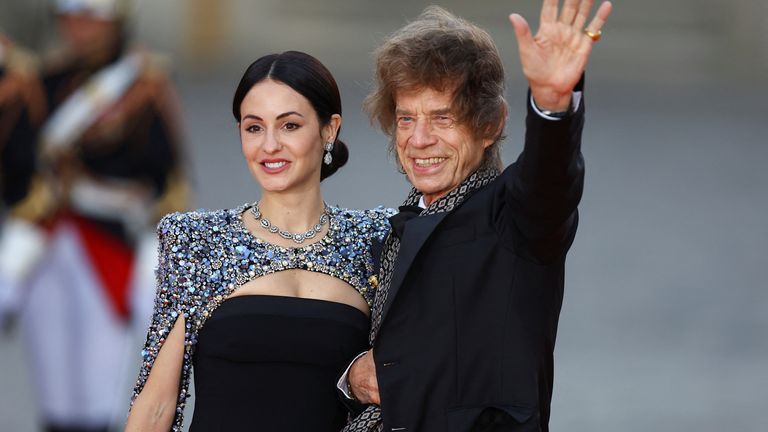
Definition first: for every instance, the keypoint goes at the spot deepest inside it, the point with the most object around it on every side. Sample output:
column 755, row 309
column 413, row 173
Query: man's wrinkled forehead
column 439, row 100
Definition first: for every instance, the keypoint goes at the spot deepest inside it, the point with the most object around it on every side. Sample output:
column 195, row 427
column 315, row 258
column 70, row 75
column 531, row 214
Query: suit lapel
column 417, row 231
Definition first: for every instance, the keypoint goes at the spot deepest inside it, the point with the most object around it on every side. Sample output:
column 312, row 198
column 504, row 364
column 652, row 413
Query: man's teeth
column 430, row 161
column 274, row 165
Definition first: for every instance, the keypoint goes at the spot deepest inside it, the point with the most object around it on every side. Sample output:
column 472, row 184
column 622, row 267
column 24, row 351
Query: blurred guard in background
column 78, row 247
column 22, row 111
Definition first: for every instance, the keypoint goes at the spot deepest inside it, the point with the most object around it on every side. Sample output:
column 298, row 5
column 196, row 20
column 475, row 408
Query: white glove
column 22, row 245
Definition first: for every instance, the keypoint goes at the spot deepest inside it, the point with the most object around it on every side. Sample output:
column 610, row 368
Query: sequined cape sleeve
column 379, row 229
column 169, row 303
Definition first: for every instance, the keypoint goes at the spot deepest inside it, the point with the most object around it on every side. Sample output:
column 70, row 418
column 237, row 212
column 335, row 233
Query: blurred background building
column 666, row 308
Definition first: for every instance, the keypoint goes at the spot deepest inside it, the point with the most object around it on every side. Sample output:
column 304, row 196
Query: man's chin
column 428, row 188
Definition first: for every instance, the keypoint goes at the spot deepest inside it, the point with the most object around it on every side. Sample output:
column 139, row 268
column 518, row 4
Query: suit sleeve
column 542, row 189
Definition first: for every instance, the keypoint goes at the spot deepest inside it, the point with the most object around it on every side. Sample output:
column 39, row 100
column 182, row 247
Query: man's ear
column 499, row 129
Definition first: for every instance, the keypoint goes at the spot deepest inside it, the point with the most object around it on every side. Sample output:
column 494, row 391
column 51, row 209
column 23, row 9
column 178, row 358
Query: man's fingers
column 583, row 14
column 522, row 32
column 549, row 11
column 569, row 11
column 362, row 376
column 371, row 391
column 600, row 17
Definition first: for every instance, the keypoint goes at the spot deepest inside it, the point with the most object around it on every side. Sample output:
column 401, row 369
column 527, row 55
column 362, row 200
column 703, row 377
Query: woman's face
column 281, row 137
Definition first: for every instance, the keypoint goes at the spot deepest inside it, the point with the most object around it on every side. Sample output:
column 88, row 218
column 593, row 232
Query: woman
column 267, row 316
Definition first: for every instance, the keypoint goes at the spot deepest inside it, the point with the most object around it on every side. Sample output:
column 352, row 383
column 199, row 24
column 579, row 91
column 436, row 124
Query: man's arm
column 544, row 186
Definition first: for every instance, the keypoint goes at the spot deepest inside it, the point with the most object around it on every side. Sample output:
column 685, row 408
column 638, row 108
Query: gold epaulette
column 39, row 203
column 157, row 66
column 20, row 61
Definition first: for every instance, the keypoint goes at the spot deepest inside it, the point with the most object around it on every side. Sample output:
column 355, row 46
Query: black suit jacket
column 472, row 312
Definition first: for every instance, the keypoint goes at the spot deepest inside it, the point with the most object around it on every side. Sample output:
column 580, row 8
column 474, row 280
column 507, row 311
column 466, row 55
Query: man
column 22, row 109
column 79, row 244
column 471, row 280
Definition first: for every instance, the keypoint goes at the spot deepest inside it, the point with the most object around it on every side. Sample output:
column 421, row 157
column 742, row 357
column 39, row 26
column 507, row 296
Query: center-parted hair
column 442, row 52
column 308, row 77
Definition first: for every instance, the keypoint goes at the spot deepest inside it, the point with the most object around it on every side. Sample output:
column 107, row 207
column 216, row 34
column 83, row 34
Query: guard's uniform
column 108, row 166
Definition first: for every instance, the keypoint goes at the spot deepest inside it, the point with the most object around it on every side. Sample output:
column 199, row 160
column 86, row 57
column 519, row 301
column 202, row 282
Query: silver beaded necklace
column 298, row 238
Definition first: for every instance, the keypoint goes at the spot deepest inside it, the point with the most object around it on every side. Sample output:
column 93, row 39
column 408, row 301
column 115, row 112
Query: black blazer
column 472, row 312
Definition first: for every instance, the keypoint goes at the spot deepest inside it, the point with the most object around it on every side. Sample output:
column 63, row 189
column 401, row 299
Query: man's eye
column 404, row 121
column 442, row 120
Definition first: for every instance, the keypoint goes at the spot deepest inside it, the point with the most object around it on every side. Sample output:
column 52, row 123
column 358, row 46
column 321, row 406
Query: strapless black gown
column 270, row 363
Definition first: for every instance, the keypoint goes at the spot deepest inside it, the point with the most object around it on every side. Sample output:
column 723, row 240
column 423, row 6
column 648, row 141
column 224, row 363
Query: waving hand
column 554, row 59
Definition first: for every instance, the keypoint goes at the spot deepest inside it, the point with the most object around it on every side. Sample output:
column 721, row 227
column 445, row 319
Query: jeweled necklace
column 298, row 238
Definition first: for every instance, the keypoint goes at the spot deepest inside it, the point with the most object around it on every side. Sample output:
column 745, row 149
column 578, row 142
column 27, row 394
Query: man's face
column 89, row 35
column 435, row 150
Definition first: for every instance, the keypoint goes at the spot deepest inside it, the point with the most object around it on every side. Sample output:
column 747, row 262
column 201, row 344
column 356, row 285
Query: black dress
column 270, row 363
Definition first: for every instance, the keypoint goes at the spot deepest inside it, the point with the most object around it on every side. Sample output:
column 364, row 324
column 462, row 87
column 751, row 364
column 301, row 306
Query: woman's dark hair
column 308, row 77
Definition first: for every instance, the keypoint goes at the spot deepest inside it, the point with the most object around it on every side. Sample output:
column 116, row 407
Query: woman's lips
column 274, row 166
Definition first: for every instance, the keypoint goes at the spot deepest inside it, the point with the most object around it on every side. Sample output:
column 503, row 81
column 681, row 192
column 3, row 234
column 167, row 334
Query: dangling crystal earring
column 327, row 159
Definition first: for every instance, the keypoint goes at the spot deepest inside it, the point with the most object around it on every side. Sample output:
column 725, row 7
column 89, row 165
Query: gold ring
column 594, row 35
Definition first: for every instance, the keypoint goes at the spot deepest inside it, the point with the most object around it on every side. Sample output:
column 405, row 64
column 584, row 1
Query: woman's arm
column 155, row 407
column 162, row 383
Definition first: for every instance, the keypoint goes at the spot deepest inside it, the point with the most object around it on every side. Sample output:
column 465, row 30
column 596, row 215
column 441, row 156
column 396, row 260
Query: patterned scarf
column 370, row 419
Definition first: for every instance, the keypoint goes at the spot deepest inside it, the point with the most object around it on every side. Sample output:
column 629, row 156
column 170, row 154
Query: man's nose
column 422, row 134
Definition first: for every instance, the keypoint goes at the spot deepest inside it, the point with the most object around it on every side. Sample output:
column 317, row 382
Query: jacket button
column 388, row 364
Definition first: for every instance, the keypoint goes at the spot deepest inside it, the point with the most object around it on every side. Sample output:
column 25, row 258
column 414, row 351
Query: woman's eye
column 253, row 128
column 291, row 126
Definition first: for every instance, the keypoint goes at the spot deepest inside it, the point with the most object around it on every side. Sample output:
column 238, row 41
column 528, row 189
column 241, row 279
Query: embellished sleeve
column 169, row 303
column 380, row 217
column 376, row 223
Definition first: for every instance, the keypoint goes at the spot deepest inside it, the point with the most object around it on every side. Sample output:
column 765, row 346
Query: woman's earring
column 327, row 159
